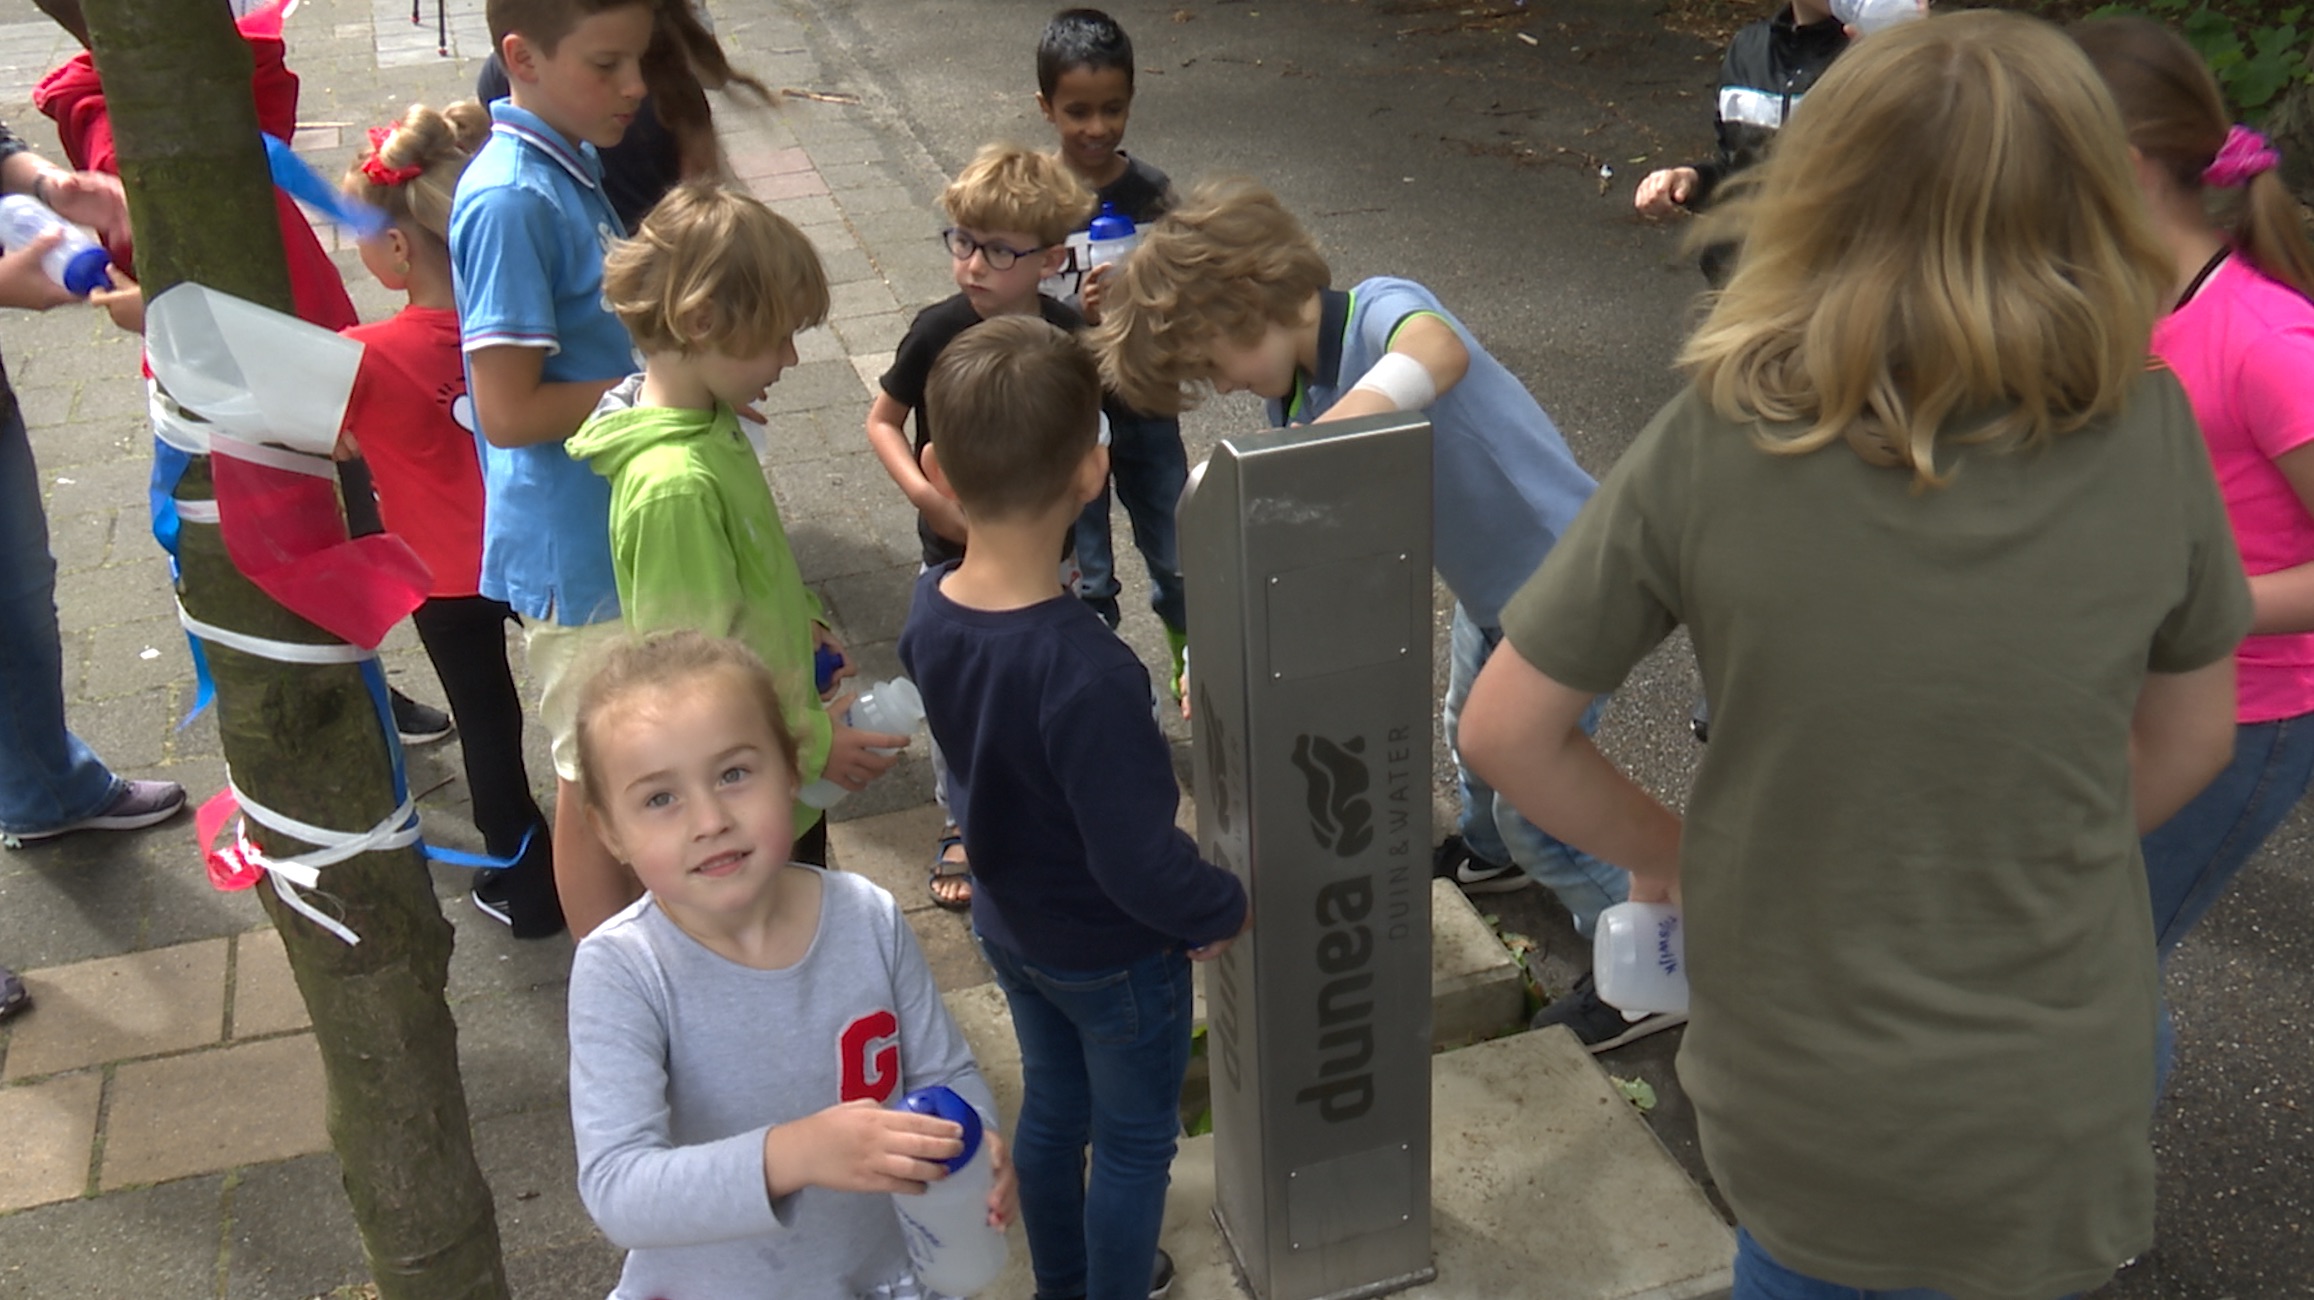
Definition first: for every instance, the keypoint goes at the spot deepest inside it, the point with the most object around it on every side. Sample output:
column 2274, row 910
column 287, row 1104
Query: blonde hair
column 2178, row 119
column 436, row 142
column 1017, row 401
column 1222, row 267
column 1008, row 187
column 664, row 661
column 1949, row 232
column 711, row 268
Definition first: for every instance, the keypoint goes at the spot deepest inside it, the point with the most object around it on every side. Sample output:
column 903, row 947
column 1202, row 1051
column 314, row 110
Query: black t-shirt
column 1142, row 193
column 637, row 171
column 928, row 336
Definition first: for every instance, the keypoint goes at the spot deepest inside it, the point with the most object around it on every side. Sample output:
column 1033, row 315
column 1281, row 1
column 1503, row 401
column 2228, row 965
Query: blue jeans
column 2192, row 857
column 1102, row 1054
column 1494, row 830
column 1150, row 468
column 48, row 778
column 1759, row 1277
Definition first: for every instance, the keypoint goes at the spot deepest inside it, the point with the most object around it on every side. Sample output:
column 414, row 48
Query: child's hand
column 945, row 516
column 1004, row 1193
column 25, row 283
column 852, row 758
column 859, row 1147
column 124, row 302
column 1220, row 946
column 1089, row 292
column 1665, row 191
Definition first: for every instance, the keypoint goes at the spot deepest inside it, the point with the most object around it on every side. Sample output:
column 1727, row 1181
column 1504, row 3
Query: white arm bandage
column 1402, row 379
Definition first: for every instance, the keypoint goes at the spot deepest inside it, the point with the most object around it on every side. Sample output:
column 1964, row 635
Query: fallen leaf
column 1639, row 1092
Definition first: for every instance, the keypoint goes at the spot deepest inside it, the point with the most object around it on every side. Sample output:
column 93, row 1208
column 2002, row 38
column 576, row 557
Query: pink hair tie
column 2245, row 157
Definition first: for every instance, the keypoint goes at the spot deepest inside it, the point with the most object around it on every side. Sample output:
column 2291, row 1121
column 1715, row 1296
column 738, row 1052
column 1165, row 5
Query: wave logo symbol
column 1341, row 816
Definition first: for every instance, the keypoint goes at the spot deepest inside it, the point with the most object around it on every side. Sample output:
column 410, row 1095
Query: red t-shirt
column 410, row 413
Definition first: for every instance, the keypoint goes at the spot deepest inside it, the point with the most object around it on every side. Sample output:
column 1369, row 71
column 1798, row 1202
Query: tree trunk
column 305, row 740
column 2290, row 123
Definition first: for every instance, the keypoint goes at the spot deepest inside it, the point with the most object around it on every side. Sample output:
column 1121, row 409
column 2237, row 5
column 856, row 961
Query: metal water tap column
column 1307, row 558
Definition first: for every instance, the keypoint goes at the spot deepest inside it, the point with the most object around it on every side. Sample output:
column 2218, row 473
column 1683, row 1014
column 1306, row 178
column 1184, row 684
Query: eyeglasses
column 1000, row 257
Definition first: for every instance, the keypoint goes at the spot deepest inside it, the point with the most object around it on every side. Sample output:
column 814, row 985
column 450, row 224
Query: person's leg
column 48, row 778
column 1097, row 583
column 1048, row 1142
column 594, row 886
column 465, row 637
column 1136, row 1034
column 1467, row 649
column 2192, row 857
column 1759, row 1277
column 1150, row 467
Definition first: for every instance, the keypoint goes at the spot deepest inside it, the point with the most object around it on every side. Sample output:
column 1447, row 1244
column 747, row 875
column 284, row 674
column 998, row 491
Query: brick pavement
column 160, row 1109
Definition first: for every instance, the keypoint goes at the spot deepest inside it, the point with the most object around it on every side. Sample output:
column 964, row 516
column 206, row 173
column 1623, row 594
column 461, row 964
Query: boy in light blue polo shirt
column 1228, row 291
column 527, row 232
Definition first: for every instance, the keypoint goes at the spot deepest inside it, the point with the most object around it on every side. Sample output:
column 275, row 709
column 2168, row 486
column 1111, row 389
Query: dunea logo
column 1341, row 817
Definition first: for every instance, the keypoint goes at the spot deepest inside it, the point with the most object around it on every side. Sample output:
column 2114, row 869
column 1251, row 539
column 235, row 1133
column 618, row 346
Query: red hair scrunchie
column 375, row 167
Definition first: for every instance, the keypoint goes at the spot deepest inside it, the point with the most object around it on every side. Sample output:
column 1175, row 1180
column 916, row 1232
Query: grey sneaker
column 13, row 995
column 1600, row 1027
column 1161, row 1276
column 139, row 804
column 419, row 724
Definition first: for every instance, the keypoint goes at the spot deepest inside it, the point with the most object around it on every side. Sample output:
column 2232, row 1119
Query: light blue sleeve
column 504, row 246
column 1383, row 306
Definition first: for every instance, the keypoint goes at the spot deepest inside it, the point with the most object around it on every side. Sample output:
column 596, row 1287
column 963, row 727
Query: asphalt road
column 1430, row 140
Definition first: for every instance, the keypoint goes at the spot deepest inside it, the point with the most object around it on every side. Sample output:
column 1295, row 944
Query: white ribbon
column 265, row 647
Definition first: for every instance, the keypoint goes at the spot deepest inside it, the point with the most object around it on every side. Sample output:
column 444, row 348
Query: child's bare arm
column 888, row 435
column 1523, row 732
column 518, row 407
column 858, row 1147
column 1430, row 342
column 2180, row 738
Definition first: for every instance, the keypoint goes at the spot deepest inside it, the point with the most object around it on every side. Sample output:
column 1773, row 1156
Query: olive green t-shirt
column 1921, row 1046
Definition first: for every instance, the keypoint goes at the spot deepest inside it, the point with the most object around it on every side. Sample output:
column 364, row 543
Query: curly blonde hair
column 1222, row 267
column 1947, row 245
column 711, row 268
column 439, row 142
column 1010, row 187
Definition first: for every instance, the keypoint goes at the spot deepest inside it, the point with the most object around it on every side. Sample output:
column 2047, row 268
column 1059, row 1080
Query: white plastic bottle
column 1112, row 235
column 1869, row 16
column 954, row 1250
column 1639, row 959
column 78, row 262
column 893, row 707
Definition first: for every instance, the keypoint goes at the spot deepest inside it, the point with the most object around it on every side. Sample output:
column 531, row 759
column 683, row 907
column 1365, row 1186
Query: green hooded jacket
column 696, row 541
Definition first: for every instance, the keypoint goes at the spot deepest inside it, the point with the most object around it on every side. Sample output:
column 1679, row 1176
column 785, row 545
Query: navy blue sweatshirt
column 1062, row 784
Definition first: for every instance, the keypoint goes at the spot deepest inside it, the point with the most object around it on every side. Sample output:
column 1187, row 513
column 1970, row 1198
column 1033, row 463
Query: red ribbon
column 284, row 532
column 375, row 167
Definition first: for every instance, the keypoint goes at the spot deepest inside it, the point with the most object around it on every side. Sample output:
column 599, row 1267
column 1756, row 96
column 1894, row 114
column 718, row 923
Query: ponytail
column 411, row 168
column 2270, row 230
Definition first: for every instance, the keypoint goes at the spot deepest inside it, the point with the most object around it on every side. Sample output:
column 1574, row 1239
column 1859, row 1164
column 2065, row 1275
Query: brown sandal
column 945, row 870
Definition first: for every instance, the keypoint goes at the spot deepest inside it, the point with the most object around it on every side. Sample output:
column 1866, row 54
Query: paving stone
column 755, row 164
column 181, row 906
column 155, row 1241
column 82, row 541
column 118, row 661
column 586, row 1268
column 119, row 1008
column 872, row 606
column 788, row 185
column 532, row 1166
column 50, row 1128
column 871, row 368
column 820, row 344
column 946, row 938
column 293, row 1235
column 265, row 996
column 807, row 209
column 846, row 264
column 136, row 588
column 240, row 1105
column 893, row 850
column 514, row 1050
column 813, row 387
column 866, row 200
column 873, row 333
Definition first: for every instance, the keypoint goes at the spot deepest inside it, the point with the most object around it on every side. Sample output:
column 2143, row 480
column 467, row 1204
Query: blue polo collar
column 580, row 160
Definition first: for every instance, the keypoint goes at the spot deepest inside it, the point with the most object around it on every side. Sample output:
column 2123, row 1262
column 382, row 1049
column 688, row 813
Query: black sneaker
column 531, row 913
column 1161, row 1277
column 1454, row 861
column 419, row 724
column 1600, row 1027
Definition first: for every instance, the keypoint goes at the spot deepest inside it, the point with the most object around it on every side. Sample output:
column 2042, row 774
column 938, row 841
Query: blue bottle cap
column 941, row 1102
column 825, row 662
column 1111, row 224
column 87, row 272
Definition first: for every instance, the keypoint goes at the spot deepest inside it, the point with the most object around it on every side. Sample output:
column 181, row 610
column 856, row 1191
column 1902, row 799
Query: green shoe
column 1177, row 641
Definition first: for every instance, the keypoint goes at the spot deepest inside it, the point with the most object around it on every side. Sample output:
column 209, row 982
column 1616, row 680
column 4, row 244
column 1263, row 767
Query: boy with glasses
column 1011, row 211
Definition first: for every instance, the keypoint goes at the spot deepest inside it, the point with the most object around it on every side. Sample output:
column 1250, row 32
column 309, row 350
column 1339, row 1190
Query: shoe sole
column 414, row 741
column 495, row 912
column 1638, row 1030
column 114, row 822
column 1508, row 882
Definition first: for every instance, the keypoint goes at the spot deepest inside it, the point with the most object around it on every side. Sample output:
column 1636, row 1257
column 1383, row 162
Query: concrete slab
column 50, row 1127
column 213, row 1110
column 292, row 1235
column 156, row 1241
column 116, row 1008
column 265, row 996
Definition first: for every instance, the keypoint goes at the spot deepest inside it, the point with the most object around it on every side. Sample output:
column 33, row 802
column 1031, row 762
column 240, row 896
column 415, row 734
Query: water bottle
column 1112, row 236
column 893, row 707
column 1639, row 959
column 1869, row 16
column 77, row 262
column 949, row 1241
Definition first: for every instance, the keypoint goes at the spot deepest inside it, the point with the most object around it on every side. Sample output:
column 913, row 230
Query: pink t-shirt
column 2243, row 348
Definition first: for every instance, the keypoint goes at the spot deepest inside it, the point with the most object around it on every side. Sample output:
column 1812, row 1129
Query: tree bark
column 305, row 740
